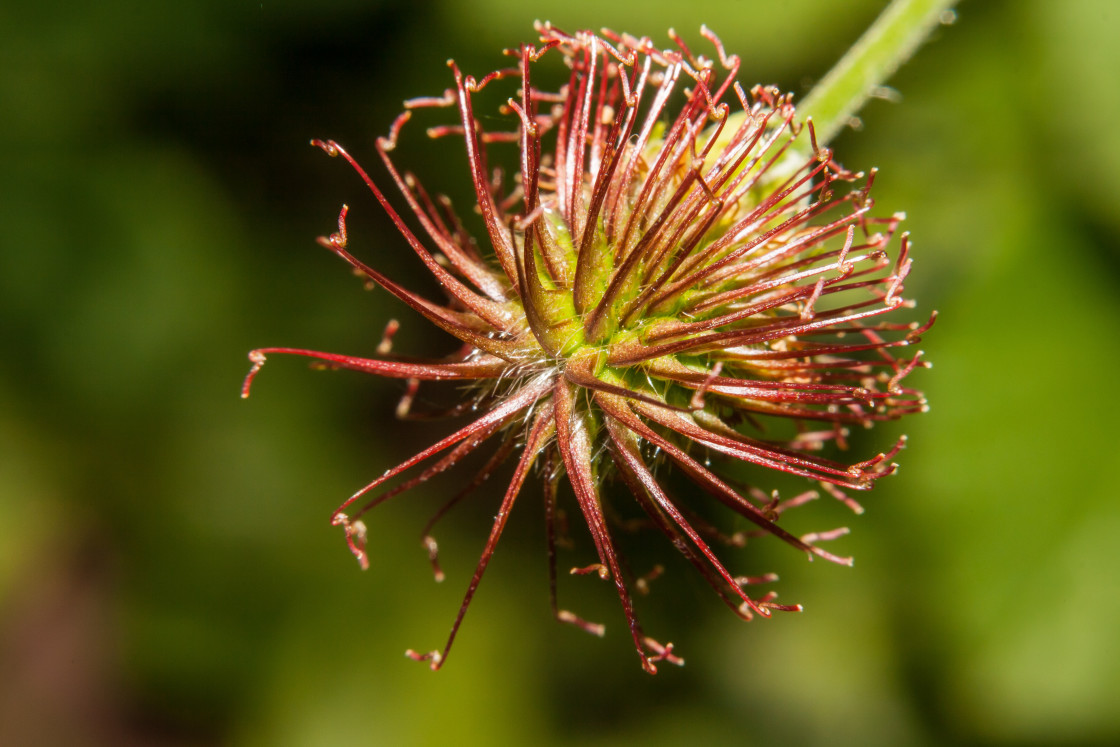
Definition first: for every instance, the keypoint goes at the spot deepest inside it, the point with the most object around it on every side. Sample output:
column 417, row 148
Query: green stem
column 898, row 31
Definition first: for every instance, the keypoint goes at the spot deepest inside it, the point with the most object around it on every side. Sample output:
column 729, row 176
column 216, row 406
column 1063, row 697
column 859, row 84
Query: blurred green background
column 167, row 571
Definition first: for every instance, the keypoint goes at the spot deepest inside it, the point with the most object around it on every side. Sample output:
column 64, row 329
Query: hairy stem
column 884, row 47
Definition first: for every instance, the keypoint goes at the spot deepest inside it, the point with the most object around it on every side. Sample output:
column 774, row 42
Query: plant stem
column 898, row 31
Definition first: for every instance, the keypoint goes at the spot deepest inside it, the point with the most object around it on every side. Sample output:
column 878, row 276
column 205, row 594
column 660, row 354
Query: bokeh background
column 167, row 571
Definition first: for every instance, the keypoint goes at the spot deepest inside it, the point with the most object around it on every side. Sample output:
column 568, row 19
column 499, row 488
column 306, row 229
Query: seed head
column 678, row 273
